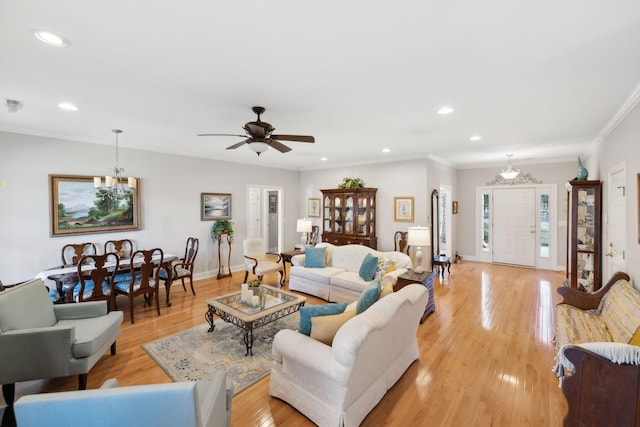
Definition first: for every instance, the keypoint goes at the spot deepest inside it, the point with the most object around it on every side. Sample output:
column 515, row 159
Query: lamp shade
column 419, row 236
column 303, row 226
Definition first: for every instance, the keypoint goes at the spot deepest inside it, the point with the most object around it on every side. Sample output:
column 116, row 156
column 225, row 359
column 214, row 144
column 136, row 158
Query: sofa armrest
column 392, row 276
column 298, row 260
column 306, row 353
column 36, row 353
column 586, row 300
column 600, row 389
column 213, row 401
column 82, row 310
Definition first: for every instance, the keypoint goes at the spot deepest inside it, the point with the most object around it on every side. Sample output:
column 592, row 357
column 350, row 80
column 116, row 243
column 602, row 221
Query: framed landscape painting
column 215, row 206
column 77, row 207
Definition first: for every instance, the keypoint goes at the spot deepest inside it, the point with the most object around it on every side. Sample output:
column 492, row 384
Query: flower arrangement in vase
column 351, row 183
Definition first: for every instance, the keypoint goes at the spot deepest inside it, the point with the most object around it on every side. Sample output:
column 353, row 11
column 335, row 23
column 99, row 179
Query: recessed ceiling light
column 386, row 150
column 51, row 38
column 324, row 159
column 67, row 106
column 445, row 110
column 475, row 138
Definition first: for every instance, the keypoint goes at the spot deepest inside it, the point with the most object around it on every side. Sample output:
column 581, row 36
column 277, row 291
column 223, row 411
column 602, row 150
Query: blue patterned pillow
column 368, row 267
column 314, row 257
column 306, row 313
column 368, row 297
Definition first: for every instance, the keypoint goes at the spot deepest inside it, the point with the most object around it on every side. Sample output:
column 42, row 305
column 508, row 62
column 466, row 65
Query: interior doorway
column 616, row 219
column 264, row 215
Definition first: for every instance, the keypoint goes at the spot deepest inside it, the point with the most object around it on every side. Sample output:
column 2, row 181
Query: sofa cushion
column 320, row 275
column 385, row 265
column 314, row 257
column 620, row 311
column 368, row 267
column 349, row 280
column 33, row 294
column 324, row 328
column 93, row 333
column 368, row 297
column 306, row 313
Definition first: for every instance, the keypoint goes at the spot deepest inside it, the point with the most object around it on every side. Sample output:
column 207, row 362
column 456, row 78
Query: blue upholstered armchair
column 185, row 404
column 41, row 340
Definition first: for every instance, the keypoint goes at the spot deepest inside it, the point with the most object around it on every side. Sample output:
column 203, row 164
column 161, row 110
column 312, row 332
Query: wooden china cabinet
column 349, row 216
column 584, row 247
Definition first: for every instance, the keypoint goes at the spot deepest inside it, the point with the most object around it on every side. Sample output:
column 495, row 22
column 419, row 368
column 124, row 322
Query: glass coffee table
column 278, row 303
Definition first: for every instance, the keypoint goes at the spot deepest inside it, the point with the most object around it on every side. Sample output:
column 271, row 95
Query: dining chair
column 144, row 278
column 183, row 268
column 259, row 262
column 312, row 240
column 86, row 289
column 123, row 248
column 72, row 252
column 400, row 242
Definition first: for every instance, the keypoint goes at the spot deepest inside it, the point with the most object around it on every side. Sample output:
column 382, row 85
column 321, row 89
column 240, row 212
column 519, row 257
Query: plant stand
column 221, row 239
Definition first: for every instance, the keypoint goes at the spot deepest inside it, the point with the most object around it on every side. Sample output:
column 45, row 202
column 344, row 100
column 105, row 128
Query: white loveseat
column 338, row 385
column 339, row 281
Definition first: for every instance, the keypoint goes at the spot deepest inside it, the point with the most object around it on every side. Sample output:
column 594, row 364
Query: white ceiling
column 541, row 79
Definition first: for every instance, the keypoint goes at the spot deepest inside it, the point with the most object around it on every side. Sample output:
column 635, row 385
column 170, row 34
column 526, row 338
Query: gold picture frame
column 77, row 208
column 314, row 208
column 214, row 206
column 403, row 209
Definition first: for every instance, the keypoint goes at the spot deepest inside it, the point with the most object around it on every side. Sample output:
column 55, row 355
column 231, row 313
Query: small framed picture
column 403, row 209
column 454, row 207
column 314, row 208
column 215, row 206
column 273, row 204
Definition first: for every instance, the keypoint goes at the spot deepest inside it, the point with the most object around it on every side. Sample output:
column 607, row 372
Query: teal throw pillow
column 314, row 257
column 306, row 313
column 368, row 297
column 368, row 267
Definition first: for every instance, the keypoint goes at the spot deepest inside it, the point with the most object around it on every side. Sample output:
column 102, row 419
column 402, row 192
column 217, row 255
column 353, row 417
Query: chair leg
column 113, row 349
column 191, row 283
column 131, row 307
column 9, row 393
column 281, row 278
column 82, row 381
column 157, row 295
column 246, row 274
column 183, row 286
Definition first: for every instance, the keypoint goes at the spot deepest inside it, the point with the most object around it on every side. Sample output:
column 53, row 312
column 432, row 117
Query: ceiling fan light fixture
column 259, row 147
column 509, row 172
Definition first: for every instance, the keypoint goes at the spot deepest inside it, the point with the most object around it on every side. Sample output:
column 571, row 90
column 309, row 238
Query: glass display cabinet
column 584, row 257
column 349, row 216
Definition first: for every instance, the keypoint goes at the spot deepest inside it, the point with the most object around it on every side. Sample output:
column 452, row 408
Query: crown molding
column 626, row 108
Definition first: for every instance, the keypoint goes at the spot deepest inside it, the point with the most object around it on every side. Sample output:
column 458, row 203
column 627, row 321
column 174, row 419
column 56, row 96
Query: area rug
column 194, row 354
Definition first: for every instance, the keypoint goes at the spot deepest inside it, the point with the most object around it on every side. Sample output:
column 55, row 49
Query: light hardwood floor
column 485, row 354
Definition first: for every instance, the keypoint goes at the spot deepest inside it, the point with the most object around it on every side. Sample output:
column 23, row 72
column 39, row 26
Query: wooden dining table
column 65, row 278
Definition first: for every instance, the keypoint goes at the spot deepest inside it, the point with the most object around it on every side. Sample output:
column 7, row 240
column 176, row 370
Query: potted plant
column 351, row 183
column 222, row 226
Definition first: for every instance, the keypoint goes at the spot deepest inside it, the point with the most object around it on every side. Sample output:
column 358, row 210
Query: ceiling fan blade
column 298, row 138
column 221, row 134
column 279, row 146
column 239, row 144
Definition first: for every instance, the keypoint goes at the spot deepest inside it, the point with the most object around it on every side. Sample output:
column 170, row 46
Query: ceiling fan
column 261, row 137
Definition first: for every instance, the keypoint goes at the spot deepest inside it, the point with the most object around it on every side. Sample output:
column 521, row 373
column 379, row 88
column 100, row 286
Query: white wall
column 393, row 179
column 622, row 146
column 170, row 188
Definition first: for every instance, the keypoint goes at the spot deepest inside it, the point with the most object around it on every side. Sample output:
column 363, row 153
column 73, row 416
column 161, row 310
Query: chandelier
column 509, row 172
column 115, row 187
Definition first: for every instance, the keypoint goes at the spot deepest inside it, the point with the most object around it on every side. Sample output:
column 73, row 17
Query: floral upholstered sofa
column 338, row 277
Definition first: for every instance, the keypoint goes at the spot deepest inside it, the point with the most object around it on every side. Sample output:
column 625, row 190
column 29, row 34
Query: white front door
column 616, row 243
column 514, row 226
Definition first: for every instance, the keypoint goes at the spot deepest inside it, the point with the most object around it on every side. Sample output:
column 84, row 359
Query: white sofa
column 338, row 385
column 340, row 281
column 188, row 403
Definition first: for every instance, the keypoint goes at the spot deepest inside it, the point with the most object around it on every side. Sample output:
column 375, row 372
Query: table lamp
column 419, row 237
column 303, row 226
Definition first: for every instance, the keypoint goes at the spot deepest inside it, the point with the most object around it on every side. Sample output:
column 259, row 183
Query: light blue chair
column 184, row 404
